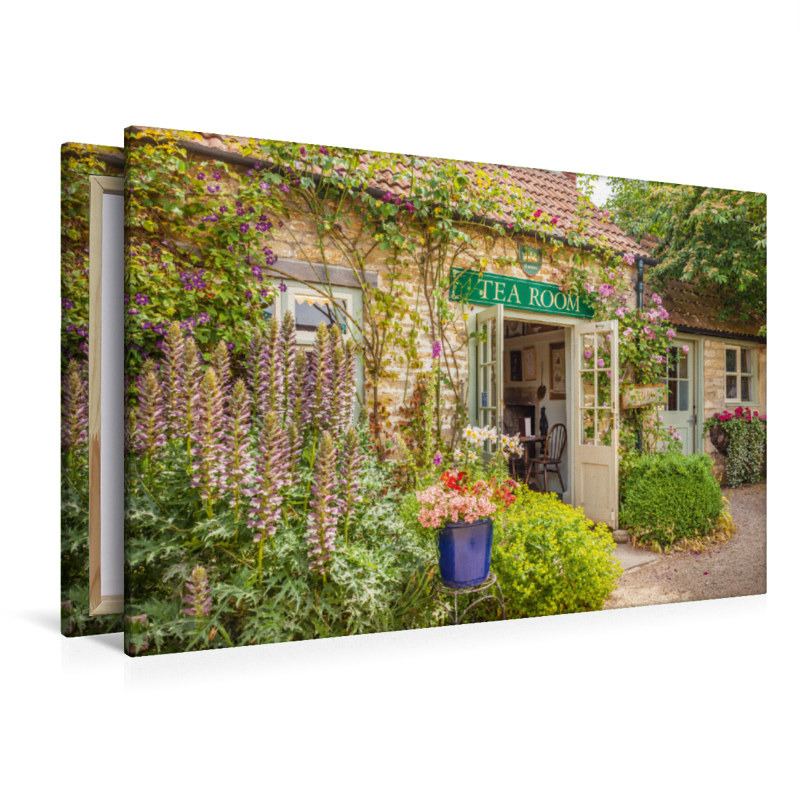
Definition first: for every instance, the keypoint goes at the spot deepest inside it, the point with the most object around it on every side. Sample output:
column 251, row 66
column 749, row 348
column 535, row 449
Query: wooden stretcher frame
column 98, row 186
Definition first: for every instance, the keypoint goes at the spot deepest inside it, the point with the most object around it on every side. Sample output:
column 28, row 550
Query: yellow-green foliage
column 549, row 560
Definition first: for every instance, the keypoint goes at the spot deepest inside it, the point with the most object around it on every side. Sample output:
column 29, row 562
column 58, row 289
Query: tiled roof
column 555, row 193
column 691, row 308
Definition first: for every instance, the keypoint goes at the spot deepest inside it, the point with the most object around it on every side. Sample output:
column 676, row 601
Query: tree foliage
column 716, row 238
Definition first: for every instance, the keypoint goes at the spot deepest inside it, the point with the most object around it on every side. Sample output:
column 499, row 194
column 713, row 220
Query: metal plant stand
column 485, row 592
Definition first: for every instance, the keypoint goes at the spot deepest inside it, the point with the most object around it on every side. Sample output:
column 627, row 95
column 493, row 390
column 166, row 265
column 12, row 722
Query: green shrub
column 670, row 497
column 549, row 560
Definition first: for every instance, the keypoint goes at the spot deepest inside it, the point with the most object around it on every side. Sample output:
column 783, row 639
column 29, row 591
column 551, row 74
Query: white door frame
column 543, row 319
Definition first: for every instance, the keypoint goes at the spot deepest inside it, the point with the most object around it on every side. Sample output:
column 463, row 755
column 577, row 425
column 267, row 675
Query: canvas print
column 80, row 164
column 321, row 438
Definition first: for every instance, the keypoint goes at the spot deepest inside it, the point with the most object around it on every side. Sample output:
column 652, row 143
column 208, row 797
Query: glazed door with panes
column 596, row 420
column 490, row 370
column 680, row 411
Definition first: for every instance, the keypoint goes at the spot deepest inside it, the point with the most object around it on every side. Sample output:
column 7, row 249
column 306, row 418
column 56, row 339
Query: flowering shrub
column 255, row 511
column 669, row 497
column 747, row 435
column 550, row 560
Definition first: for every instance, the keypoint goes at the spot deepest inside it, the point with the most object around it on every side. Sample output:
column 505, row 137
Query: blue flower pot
column 465, row 553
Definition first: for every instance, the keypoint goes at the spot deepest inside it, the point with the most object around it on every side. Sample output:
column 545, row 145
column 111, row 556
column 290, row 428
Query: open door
column 490, row 371
column 596, row 420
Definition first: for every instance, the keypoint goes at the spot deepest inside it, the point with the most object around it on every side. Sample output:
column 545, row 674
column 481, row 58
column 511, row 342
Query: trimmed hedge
column 549, row 559
column 669, row 496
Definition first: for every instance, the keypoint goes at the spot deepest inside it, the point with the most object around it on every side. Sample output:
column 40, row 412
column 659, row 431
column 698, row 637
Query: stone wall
column 714, row 392
column 298, row 241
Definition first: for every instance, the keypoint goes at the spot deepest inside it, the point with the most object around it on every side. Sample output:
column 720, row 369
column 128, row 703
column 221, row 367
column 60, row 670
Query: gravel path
column 733, row 569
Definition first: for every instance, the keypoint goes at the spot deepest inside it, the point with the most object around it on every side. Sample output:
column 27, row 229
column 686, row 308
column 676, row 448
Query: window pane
column 730, row 361
column 587, row 389
column 588, row 345
column 603, row 388
column 683, row 395
column 605, row 428
column 588, row 427
column 746, row 389
column 673, row 365
column 683, row 366
column 747, row 364
column 310, row 311
column 672, row 400
column 730, row 387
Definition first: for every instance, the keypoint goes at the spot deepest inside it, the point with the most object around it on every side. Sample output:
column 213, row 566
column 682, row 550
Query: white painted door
column 596, row 417
column 490, row 370
column 679, row 410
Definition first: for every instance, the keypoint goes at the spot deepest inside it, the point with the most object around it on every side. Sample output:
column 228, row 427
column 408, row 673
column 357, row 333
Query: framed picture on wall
column 515, row 368
column 529, row 364
column 514, row 328
column 558, row 371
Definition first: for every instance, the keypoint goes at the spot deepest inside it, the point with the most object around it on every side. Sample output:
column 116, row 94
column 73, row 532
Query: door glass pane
column 605, row 428
column 683, row 395
column 484, row 343
column 492, row 386
column 672, row 400
column 683, row 368
column 746, row 362
column 672, row 371
column 587, row 435
column 587, row 389
column 730, row 361
column 730, row 387
column 746, row 389
column 604, row 388
column 492, row 340
column 482, row 387
column 588, row 348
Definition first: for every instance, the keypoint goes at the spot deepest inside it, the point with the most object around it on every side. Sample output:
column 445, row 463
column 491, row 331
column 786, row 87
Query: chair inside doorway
column 550, row 459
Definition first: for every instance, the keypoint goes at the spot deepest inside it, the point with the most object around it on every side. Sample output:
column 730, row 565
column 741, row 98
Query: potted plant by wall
column 741, row 436
column 460, row 507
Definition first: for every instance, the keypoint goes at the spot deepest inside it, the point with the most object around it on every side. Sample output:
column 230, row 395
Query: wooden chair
column 551, row 455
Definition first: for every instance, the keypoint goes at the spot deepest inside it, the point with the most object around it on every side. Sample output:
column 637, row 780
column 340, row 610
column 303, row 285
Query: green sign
column 530, row 258
column 488, row 289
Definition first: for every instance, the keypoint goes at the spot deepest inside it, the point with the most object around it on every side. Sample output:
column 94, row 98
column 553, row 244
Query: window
column 740, row 374
column 678, row 381
column 310, row 308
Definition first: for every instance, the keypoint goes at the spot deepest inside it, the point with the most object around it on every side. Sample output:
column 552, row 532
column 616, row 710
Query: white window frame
column 342, row 299
column 737, row 401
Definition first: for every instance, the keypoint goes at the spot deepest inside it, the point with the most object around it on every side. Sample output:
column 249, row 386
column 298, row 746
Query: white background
column 693, row 700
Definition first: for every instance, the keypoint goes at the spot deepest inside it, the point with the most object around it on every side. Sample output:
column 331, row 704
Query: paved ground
column 733, row 569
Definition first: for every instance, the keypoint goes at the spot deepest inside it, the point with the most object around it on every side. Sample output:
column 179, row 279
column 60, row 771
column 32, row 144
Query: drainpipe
column 639, row 305
column 640, row 284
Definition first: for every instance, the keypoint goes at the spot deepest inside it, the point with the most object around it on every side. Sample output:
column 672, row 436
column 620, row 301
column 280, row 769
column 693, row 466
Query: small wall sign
column 530, row 259
column 645, row 395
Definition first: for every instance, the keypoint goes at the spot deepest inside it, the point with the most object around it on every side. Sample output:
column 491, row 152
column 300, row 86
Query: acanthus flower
column 198, row 601
column 324, row 516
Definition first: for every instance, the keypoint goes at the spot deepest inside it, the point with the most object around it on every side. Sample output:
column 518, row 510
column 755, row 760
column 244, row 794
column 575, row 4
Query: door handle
column 691, row 420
